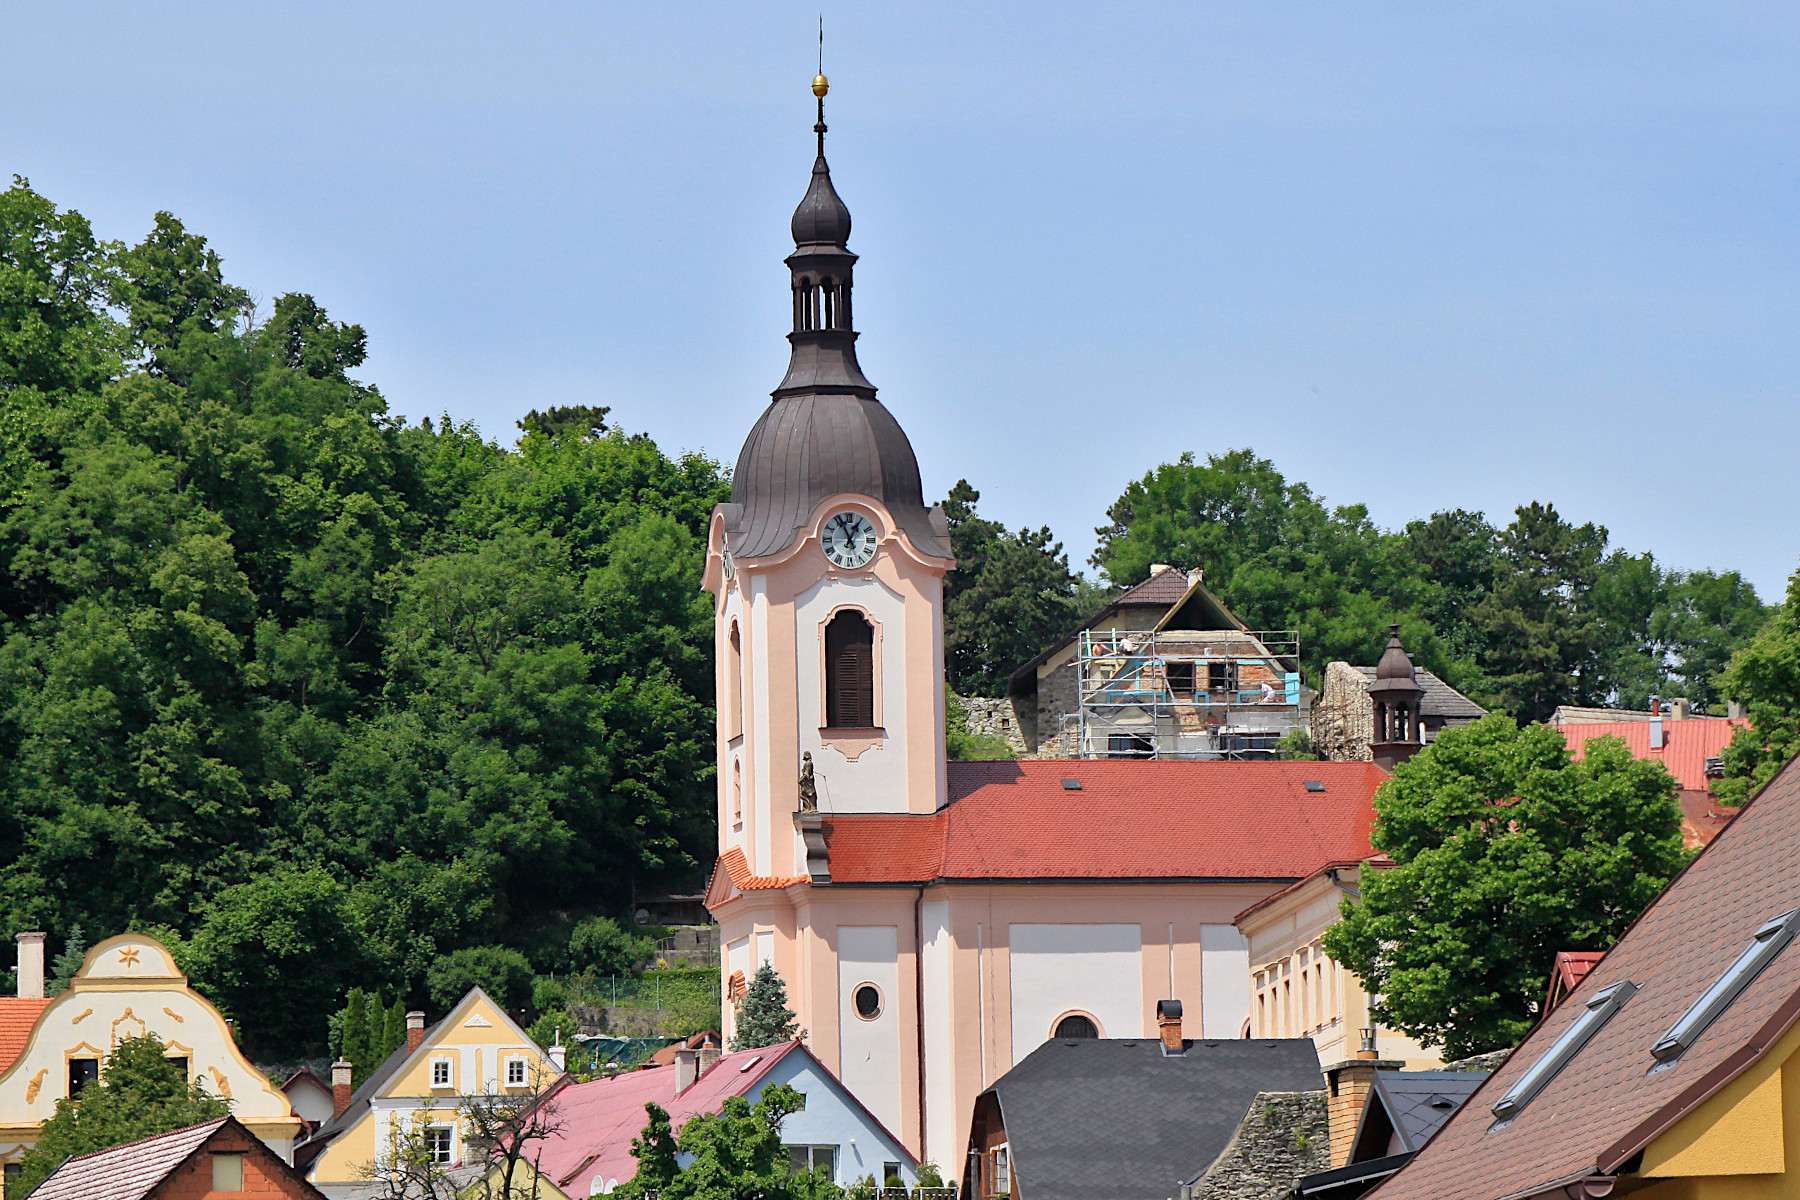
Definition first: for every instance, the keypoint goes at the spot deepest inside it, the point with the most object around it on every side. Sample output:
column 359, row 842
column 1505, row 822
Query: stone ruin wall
column 1343, row 717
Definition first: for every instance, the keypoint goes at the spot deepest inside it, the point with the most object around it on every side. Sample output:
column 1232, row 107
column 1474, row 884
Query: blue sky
column 1421, row 255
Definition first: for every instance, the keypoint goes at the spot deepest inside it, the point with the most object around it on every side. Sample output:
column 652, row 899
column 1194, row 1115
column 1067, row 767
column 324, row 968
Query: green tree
column 280, row 947
column 1765, row 676
column 502, row 973
column 579, row 420
column 1010, row 595
column 354, row 1044
column 1542, row 636
column 1506, row 851
column 599, row 946
column 737, row 1154
column 66, row 964
column 763, row 1015
column 140, row 1093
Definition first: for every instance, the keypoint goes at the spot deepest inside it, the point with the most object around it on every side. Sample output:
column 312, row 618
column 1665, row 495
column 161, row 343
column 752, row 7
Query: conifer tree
column 355, row 1032
column 63, row 969
column 763, row 1015
column 396, row 1027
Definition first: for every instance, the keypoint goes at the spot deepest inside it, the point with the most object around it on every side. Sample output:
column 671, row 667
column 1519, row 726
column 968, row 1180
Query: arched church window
column 849, row 672
column 734, row 685
column 867, row 999
column 1075, row 1025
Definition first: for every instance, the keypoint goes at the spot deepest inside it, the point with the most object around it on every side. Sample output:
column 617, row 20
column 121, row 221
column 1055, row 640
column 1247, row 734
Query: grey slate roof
column 1116, row 1119
column 1420, row 1101
column 125, row 1172
column 1441, row 700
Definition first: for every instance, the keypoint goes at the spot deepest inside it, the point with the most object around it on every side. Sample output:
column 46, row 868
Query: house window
column 515, row 1072
column 1221, row 676
column 437, row 1144
column 890, row 1175
column 440, row 1072
column 1077, row 1025
column 181, row 1064
column 1125, row 745
column 999, row 1173
column 227, row 1172
column 82, row 1071
column 1181, row 677
column 822, row 1159
column 849, row 672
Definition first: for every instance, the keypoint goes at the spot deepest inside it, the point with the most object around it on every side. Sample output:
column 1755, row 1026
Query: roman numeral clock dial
column 848, row 540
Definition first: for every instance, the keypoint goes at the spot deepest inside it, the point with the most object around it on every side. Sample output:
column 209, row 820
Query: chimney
column 1159, row 568
column 709, row 1058
column 559, row 1057
column 1348, row 1085
column 1658, row 739
column 1680, row 710
column 340, row 1087
column 31, row 966
column 415, row 1031
column 687, row 1069
column 1168, row 1020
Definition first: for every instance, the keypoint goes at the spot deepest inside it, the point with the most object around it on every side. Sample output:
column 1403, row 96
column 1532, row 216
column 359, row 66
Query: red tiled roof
column 1689, row 743
column 737, row 868
column 1131, row 819
column 597, row 1120
column 18, row 1017
column 1606, row 1104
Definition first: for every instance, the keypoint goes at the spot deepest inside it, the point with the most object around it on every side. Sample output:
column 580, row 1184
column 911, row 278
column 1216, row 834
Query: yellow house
column 476, row 1051
column 1672, row 1071
column 128, row 986
column 1297, row 990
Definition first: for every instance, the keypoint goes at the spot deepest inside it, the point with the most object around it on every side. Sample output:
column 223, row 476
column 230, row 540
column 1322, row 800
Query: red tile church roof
column 1131, row 819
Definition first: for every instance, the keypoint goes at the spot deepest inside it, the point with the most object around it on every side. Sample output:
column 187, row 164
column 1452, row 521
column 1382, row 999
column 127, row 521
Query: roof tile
column 125, row 1172
column 1142, row 819
column 1689, row 743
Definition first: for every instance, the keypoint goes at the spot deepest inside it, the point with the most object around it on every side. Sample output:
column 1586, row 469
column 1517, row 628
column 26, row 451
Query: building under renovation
column 1164, row 671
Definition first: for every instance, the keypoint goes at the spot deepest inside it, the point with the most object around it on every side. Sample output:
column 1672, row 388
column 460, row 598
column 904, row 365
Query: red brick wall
column 265, row 1175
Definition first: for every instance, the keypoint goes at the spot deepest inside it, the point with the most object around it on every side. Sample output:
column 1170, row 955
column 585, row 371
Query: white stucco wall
column 1095, row 969
column 876, row 781
column 869, row 1050
column 942, row 1119
column 1224, row 981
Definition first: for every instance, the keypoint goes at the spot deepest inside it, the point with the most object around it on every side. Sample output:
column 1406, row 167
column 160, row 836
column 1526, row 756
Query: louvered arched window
column 849, row 672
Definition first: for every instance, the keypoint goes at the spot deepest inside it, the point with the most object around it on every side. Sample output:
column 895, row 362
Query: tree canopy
column 737, row 1154
column 763, row 1015
column 1765, row 676
column 1539, row 613
column 331, row 694
column 1506, row 850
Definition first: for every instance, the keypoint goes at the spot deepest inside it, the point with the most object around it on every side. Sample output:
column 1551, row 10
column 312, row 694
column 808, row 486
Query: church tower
column 827, row 568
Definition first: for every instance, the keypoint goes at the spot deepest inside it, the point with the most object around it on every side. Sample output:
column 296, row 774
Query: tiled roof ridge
column 154, row 1137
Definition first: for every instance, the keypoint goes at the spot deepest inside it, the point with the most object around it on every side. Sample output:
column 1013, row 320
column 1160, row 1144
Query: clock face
column 848, row 539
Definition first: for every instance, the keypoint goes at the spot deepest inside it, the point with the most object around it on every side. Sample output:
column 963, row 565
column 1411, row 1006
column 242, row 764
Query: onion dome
column 824, row 433
column 1394, row 674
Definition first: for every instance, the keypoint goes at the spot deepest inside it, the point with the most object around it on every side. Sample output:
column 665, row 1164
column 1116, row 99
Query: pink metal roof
column 1688, row 743
column 125, row 1172
column 598, row 1119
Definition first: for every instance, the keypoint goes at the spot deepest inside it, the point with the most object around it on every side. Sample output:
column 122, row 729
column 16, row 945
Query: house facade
column 589, row 1154
column 936, row 922
column 1297, row 990
column 475, row 1052
column 128, row 986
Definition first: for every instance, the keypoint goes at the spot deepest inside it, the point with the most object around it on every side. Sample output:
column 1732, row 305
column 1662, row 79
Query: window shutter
column 849, row 672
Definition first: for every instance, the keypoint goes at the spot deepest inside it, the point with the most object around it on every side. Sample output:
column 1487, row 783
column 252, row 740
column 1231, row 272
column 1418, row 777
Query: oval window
column 1077, row 1026
column 868, row 1001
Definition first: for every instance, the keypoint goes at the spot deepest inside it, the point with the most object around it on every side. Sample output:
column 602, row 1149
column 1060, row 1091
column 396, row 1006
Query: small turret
column 1397, row 697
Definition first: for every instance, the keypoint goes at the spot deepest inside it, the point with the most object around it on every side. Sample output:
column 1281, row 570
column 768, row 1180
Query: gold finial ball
column 821, row 85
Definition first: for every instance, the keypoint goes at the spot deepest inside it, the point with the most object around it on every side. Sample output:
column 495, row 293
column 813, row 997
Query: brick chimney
column 687, row 1069
column 709, row 1058
column 31, row 966
column 1348, row 1085
column 340, row 1087
column 415, row 1030
column 1168, row 1021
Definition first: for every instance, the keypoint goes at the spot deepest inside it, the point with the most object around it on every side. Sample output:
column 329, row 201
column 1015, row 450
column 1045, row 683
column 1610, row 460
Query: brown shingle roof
column 1605, row 1105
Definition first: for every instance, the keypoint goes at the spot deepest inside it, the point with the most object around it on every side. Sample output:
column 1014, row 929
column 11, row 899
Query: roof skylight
column 1765, row 944
column 1600, row 1009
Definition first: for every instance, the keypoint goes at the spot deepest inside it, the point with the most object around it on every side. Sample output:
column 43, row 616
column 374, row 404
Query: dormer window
column 1765, row 944
column 1600, row 1009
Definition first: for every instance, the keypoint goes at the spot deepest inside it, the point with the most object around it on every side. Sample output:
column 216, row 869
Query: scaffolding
column 1186, row 693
